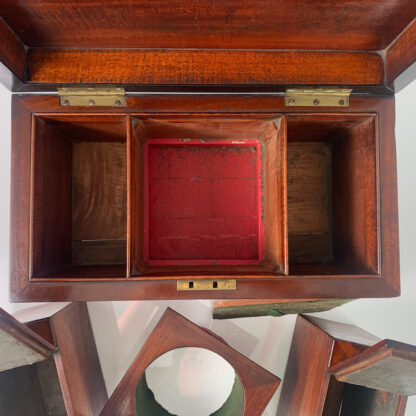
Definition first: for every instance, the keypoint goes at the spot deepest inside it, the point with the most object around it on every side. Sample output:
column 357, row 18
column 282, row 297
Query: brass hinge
column 318, row 97
column 92, row 97
column 205, row 284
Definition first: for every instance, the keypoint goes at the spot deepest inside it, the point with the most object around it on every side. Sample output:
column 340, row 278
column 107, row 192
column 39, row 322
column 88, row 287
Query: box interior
column 79, row 195
column 204, row 196
column 345, row 399
column 332, row 197
column 32, row 390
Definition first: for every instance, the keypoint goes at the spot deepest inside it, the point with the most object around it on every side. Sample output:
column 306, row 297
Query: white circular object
column 190, row 381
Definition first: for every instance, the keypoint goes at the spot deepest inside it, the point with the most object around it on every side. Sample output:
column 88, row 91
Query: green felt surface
column 277, row 309
column 146, row 404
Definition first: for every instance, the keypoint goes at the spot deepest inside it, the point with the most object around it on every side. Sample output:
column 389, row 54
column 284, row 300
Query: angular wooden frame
column 324, row 354
column 61, row 335
column 174, row 331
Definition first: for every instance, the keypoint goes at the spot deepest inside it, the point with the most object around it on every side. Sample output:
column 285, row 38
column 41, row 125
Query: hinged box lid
column 240, row 44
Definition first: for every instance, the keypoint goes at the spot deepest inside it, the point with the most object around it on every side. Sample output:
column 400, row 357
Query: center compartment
column 208, row 196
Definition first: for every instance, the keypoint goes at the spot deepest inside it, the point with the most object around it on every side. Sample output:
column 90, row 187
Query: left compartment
column 78, row 196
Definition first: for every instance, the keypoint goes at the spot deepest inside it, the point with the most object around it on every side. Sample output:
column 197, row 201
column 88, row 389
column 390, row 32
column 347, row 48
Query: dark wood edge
column 174, row 331
column 12, row 57
column 9, row 80
column 400, row 57
column 162, row 290
column 401, row 408
column 203, row 67
column 237, row 89
column 401, row 349
column 378, row 352
column 305, row 382
column 344, row 332
column 368, row 356
column 21, row 289
column 43, row 328
column 77, row 361
column 25, row 335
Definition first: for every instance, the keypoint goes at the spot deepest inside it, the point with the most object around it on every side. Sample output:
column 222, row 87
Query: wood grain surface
column 239, row 24
column 202, row 67
column 401, row 53
column 309, row 202
column 77, row 361
column 99, row 176
column 12, row 51
column 51, row 198
column 234, row 44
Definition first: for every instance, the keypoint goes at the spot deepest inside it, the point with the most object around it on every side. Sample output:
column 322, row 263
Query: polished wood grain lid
column 236, row 42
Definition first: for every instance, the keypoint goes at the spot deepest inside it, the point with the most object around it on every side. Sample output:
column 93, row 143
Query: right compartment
column 332, row 194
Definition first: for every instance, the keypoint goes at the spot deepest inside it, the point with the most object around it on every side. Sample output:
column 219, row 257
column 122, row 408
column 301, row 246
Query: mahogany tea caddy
column 235, row 151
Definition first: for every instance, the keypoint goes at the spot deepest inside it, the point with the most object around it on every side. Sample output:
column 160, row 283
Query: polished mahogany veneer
column 233, row 25
column 293, row 202
column 237, row 43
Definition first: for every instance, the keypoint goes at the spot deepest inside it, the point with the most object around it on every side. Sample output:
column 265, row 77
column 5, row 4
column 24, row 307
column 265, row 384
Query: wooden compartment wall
column 288, row 203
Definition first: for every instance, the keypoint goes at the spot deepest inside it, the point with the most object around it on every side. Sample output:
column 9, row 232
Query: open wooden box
column 232, row 152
